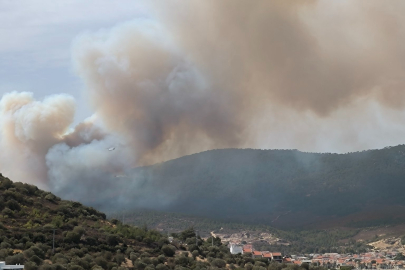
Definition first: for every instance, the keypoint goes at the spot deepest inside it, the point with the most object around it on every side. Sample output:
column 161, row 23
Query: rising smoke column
column 154, row 104
column 214, row 74
column 144, row 87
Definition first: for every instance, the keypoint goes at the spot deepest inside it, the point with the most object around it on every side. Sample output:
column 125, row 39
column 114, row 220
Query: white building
column 3, row 266
column 236, row 249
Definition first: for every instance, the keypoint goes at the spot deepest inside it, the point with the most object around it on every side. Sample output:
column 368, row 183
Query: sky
column 157, row 80
column 36, row 38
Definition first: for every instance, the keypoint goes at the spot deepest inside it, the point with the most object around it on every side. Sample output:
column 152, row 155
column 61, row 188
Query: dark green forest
column 279, row 188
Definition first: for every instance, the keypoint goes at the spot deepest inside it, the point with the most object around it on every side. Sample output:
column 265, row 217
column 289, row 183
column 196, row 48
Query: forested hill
column 284, row 188
column 33, row 221
column 43, row 232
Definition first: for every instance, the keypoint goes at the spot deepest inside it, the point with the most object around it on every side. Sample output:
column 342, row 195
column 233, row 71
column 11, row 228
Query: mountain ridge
column 250, row 184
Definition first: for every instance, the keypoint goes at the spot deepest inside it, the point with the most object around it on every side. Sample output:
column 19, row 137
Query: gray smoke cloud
column 198, row 75
column 145, row 88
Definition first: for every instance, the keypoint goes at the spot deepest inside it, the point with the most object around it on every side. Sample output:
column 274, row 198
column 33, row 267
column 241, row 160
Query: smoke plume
column 29, row 129
column 198, row 75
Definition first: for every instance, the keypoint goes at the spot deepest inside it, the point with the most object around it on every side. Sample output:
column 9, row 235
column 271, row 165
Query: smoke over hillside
column 198, row 75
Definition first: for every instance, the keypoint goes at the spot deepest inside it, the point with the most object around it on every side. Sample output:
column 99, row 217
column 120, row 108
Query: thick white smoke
column 28, row 128
column 213, row 74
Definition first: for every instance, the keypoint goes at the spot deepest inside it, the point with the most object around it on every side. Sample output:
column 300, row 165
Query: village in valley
column 387, row 259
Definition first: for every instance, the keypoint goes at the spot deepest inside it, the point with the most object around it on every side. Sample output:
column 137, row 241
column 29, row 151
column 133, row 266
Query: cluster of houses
column 271, row 256
column 370, row 260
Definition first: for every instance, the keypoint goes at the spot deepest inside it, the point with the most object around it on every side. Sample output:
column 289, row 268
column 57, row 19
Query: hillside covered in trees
column 84, row 239
column 281, row 188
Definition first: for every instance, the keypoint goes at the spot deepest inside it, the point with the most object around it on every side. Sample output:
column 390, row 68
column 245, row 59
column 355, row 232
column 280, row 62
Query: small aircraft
column 111, row 148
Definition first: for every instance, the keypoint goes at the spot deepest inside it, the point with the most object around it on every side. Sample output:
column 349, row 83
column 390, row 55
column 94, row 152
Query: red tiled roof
column 267, row 255
column 257, row 253
column 247, row 250
column 276, row 254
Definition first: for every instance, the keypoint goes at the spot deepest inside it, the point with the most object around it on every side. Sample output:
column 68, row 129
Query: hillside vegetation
column 85, row 239
column 343, row 240
column 282, row 188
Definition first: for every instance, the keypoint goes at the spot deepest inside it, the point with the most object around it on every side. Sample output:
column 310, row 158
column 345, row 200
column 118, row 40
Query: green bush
column 36, row 251
column 306, row 266
column 59, row 258
column 188, row 233
column 7, row 212
column 168, row 250
column 119, row 258
column 57, row 221
column 249, row 266
column 113, row 240
column 75, row 267
column 146, row 260
column 101, row 262
column 133, row 256
column 5, row 183
column 13, row 194
column 195, row 253
column 15, row 259
column 139, row 265
column 50, row 197
column 182, row 261
column 35, row 259
column 161, row 258
column 4, row 253
column 161, row 266
column 39, row 237
column 218, row 263
column 5, row 245
column 72, row 237
column 192, row 247
column 29, row 244
column 58, row 267
column 30, row 266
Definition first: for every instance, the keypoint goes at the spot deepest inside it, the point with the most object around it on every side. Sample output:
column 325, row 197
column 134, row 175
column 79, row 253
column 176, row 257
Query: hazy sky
column 36, row 38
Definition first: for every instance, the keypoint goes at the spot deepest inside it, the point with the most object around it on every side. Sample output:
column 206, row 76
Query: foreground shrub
column 168, row 250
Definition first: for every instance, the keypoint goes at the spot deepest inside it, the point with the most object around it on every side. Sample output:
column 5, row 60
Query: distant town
column 369, row 260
